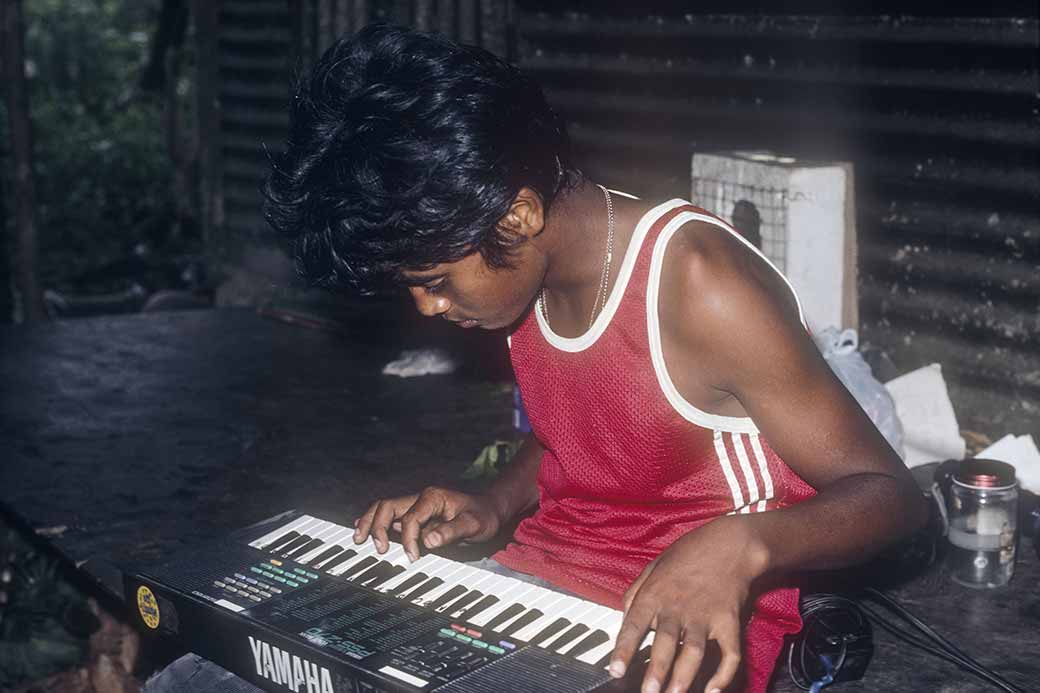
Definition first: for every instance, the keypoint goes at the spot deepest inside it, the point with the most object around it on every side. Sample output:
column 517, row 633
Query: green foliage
column 491, row 459
column 102, row 169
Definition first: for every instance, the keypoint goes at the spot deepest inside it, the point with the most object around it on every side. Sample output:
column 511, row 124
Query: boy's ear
column 526, row 216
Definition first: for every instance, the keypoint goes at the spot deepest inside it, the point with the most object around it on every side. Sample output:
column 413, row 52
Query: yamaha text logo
column 295, row 673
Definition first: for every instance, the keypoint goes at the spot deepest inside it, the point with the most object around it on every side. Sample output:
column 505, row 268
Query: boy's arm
column 739, row 321
column 439, row 516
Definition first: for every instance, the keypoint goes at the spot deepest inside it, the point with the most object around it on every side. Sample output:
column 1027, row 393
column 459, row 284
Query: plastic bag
column 840, row 350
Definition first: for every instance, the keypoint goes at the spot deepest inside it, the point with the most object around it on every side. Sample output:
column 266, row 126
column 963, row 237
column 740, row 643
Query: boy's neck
column 576, row 235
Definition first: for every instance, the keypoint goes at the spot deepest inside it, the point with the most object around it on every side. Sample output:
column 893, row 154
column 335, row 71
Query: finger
column 428, row 506
column 633, row 627
column 662, row 654
column 462, row 527
column 364, row 522
column 728, row 638
column 387, row 512
column 688, row 661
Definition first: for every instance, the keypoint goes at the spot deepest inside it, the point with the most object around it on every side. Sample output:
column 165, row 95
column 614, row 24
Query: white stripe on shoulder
column 745, row 468
column 727, row 471
column 763, row 470
column 733, row 424
column 584, row 341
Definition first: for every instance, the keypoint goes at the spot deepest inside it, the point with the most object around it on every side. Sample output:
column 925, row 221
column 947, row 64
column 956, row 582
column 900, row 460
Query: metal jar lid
column 987, row 475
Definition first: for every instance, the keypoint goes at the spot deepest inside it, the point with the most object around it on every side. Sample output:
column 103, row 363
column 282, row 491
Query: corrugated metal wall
column 935, row 106
column 934, row 103
column 261, row 45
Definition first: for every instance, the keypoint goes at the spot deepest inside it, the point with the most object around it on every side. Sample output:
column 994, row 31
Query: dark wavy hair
column 405, row 150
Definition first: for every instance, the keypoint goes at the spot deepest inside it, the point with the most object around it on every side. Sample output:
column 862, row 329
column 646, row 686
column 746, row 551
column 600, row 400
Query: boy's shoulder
column 711, row 279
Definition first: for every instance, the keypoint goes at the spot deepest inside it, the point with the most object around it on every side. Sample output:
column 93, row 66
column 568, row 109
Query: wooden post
column 29, row 305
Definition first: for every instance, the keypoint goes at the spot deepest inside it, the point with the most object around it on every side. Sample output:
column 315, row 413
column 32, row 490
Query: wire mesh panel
column 759, row 213
column 801, row 214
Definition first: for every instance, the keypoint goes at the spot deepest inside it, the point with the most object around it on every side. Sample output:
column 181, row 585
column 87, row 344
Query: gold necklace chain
column 604, row 278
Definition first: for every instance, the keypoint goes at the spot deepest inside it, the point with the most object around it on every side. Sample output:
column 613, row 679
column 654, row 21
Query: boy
column 690, row 448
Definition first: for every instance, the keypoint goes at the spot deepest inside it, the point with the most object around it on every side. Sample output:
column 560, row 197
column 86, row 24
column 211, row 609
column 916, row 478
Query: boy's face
column 471, row 294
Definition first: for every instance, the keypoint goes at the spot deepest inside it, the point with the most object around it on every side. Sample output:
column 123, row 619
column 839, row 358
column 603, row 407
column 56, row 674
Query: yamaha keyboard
column 294, row 604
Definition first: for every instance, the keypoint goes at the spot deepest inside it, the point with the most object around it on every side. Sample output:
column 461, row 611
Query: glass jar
column 982, row 506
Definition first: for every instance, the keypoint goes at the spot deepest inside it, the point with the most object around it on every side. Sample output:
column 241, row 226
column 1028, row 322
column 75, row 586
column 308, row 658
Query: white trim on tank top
column 589, row 337
column 718, row 422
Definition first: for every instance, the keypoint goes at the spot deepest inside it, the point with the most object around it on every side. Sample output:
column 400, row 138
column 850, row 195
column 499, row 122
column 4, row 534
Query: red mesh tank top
column 629, row 465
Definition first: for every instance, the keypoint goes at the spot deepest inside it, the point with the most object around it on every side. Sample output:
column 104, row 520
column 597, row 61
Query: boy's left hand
column 690, row 594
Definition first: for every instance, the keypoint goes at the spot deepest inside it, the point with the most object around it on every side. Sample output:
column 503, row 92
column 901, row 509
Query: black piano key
column 359, row 567
column 408, row 584
column 570, row 635
column 463, row 601
column 393, row 571
column 306, row 548
column 293, row 545
column 343, row 557
column 488, row 600
column 379, row 569
column 280, row 541
column 549, row 631
column 449, row 596
column 423, row 588
column 593, row 639
column 510, row 612
column 522, row 622
column 325, row 555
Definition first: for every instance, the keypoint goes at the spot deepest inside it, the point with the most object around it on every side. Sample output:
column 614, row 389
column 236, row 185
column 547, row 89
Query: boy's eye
column 435, row 288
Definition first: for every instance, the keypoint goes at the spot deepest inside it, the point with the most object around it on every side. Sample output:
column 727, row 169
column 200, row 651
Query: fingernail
column 617, row 668
column 651, row 686
column 380, row 546
column 411, row 556
column 433, row 540
column 715, row 690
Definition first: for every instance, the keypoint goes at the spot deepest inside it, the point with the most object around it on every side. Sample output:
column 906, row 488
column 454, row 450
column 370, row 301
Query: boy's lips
column 463, row 322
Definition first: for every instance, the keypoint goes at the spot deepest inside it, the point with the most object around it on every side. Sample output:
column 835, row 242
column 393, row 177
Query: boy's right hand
column 435, row 517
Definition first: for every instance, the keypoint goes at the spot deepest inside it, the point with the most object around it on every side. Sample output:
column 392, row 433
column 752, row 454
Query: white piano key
column 411, row 569
column 451, row 579
column 598, row 653
column 572, row 610
column 546, row 603
column 599, row 619
column 330, row 537
column 517, row 595
column 283, row 529
column 315, row 531
column 363, row 551
column 395, row 555
column 488, row 586
column 474, row 583
column 436, row 569
column 303, row 530
column 531, row 629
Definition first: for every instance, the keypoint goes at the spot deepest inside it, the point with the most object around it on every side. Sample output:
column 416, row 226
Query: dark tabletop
column 141, row 434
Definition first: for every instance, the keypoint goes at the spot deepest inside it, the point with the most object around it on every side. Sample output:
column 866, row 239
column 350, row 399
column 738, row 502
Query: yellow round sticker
column 148, row 607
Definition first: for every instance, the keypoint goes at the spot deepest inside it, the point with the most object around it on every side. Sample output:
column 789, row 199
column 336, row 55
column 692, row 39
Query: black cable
column 942, row 654
column 814, row 610
column 946, row 650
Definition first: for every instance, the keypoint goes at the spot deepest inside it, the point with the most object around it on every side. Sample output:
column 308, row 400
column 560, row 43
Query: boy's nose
column 429, row 305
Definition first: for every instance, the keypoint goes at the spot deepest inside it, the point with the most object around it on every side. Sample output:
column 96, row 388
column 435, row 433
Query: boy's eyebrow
column 412, row 279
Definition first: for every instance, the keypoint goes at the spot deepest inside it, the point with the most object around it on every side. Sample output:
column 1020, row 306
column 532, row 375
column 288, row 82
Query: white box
column 808, row 223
